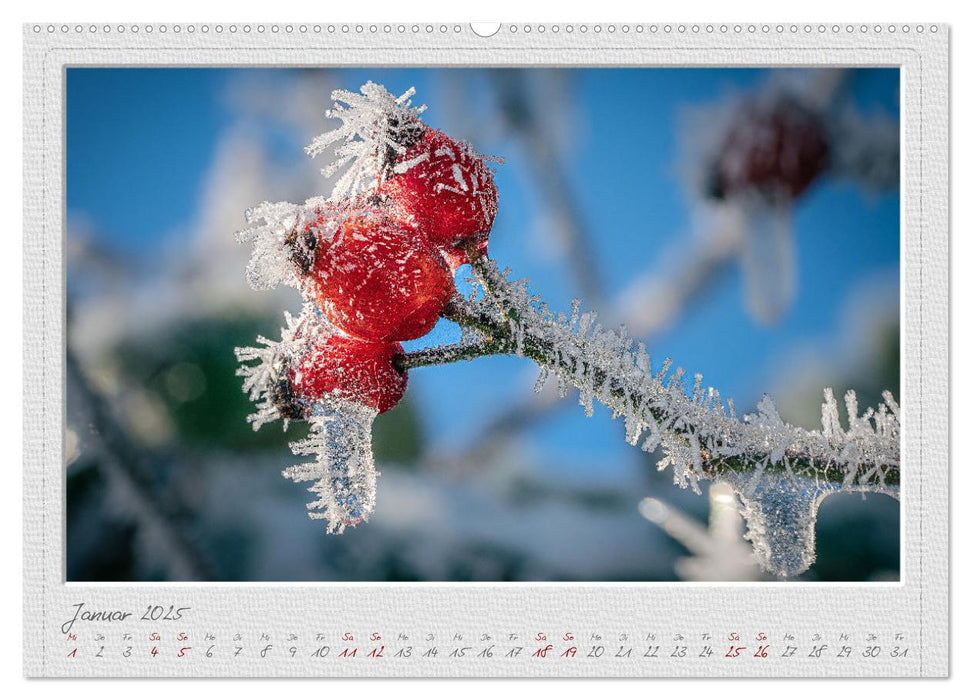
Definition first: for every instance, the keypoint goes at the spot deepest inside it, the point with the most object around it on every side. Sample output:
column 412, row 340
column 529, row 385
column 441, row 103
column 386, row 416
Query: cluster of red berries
column 775, row 148
column 380, row 267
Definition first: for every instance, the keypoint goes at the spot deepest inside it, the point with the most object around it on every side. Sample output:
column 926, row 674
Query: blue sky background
column 141, row 144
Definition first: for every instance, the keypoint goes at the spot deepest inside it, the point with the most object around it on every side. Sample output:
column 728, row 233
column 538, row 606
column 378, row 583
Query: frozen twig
column 447, row 354
column 780, row 473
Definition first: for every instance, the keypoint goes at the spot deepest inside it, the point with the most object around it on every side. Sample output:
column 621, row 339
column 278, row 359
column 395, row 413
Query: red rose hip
column 445, row 189
column 376, row 278
column 356, row 370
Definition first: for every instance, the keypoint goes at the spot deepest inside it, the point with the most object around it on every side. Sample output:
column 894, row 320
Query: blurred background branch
column 522, row 117
column 160, row 517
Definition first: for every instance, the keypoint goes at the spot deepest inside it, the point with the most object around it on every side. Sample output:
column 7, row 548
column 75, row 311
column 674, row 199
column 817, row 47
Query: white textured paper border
column 916, row 608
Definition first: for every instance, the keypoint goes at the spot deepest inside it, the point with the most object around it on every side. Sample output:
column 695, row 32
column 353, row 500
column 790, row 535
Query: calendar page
column 516, row 350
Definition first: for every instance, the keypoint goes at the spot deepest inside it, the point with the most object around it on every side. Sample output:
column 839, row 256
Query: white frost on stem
column 343, row 471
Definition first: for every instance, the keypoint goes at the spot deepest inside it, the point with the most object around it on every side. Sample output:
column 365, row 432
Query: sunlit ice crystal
column 343, row 471
column 780, row 513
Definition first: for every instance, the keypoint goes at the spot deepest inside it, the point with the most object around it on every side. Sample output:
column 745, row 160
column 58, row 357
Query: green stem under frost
column 446, row 354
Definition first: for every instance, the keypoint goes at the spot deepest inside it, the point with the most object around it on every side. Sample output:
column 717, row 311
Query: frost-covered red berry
column 348, row 368
column 375, row 277
column 445, row 189
column 774, row 148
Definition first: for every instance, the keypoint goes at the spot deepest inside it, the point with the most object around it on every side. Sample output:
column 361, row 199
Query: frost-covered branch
column 679, row 277
column 780, row 472
column 701, row 436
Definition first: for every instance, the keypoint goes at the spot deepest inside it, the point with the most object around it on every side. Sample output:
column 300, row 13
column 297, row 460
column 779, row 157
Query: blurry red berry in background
column 352, row 369
column 774, row 148
column 446, row 190
column 376, row 278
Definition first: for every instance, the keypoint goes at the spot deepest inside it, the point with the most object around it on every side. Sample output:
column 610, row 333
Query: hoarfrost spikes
column 269, row 225
column 376, row 128
column 343, row 471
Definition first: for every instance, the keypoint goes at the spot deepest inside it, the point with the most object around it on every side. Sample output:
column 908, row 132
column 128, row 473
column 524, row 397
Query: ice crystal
column 780, row 514
column 376, row 128
column 343, row 471
column 781, row 472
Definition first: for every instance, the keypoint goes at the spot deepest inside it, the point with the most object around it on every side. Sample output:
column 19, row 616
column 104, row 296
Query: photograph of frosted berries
column 415, row 324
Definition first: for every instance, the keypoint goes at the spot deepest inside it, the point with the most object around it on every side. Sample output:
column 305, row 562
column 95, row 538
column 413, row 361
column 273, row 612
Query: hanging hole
column 485, row 29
